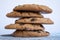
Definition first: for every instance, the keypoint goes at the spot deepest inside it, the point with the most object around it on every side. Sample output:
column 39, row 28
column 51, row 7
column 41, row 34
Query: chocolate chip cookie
column 24, row 14
column 33, row 7
column 25, row 26
column 35, row 20
column 19, row 33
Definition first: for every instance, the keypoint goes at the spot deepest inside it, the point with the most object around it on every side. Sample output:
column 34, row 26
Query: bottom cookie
column 19, row 33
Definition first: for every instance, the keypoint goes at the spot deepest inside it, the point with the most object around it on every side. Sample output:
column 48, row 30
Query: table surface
column 9, row 37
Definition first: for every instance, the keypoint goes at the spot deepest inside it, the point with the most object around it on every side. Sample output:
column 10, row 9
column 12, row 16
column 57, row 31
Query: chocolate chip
column 41, row 25
column 21, row 23
column 16, row 20
column 47, row 32
column 39, row 31
column 33, row 19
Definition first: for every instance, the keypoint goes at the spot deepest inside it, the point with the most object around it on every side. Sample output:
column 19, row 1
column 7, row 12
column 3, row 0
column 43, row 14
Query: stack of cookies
column 30, row 20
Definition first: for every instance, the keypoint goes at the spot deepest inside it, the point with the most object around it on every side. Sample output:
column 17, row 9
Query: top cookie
column 33, row 8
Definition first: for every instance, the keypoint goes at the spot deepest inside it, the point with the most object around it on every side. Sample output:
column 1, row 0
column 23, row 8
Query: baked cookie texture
column 33, row 7
column 25, row 27
column 35, row 20
column 19, row 33
column 30, row 20
column 24, row 14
